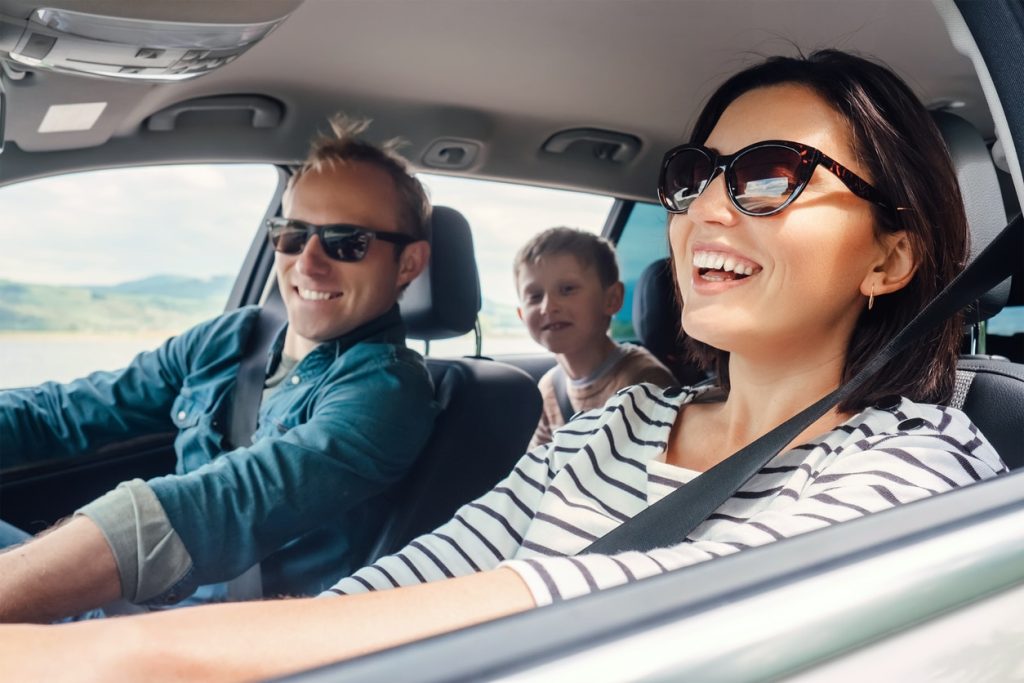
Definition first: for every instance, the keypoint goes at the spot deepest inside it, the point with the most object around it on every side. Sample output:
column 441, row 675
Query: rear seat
column 657, row 320
column 990, row 389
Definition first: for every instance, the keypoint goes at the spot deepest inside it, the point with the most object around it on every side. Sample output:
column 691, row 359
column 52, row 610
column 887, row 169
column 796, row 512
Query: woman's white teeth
column 310, row 295
column 717, row 261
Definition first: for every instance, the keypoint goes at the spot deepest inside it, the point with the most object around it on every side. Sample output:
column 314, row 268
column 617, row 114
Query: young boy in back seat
column 569, row 289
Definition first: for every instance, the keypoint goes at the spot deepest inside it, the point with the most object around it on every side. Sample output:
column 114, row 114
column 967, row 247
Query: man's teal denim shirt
column 305, row 500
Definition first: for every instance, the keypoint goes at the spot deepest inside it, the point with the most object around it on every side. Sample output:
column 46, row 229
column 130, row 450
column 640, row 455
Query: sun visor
column 128, row 48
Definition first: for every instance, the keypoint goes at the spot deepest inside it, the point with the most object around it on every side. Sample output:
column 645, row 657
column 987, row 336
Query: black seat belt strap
column 671, row 519
column 252, row 374
column 559, row 382
column 243, row 420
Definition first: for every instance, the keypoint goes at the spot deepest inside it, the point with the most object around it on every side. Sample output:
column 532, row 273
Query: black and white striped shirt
column 607, row 465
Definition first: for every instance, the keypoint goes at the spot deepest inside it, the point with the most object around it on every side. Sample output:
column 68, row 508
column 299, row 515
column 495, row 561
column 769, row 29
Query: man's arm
column 253, row 641
column 57, row 420
column 65, row 571
column 249, row 502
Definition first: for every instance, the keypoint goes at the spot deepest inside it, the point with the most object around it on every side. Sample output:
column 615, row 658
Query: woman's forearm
column 252, row 641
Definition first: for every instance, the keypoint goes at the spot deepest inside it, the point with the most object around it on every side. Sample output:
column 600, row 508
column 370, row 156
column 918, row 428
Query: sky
column 106, row 227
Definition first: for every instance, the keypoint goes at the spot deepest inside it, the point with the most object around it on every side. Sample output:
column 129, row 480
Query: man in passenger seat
column 346, row 409
column 569, row 289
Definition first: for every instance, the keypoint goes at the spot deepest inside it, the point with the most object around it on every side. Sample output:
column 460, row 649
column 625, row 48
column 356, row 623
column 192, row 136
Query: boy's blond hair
column 591, row 250
column 344, row 145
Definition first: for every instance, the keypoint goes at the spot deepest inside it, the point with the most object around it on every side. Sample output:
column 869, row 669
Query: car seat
column 990, row 389
column 489, row 409
column 657, row 320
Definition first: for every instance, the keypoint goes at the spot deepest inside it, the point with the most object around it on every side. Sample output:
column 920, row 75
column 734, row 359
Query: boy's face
column 563, row 303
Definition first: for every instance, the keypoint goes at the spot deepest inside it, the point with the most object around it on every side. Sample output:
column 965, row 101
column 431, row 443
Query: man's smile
column 314, row 295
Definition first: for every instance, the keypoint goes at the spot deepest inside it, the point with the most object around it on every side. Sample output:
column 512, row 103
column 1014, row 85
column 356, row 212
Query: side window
column 98, row 266
column 503, row 216
column 644, row 239
column 1006, row 333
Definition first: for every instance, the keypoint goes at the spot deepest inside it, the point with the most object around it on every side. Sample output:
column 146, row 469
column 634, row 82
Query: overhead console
column 140, row 47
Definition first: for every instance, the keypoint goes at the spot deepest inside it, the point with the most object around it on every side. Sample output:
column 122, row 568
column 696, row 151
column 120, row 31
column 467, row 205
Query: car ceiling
column 507, row 74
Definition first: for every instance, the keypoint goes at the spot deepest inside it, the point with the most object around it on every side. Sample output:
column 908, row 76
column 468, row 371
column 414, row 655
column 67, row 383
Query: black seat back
column 989, row 389
column 992, row 394
column 657, row 321
column 488, row 409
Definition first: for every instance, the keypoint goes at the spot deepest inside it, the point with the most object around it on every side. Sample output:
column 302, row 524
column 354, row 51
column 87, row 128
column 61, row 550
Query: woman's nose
column 713, row 204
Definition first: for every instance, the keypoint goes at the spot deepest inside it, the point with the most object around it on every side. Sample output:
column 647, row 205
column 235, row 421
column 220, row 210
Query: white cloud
column 111, row 226
column 106, row 227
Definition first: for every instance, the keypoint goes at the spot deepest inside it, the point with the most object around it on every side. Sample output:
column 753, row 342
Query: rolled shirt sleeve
column 149, row 554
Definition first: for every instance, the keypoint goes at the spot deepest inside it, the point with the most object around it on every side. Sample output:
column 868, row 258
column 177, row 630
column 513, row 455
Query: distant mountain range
column 161, row 303
column 158, row 303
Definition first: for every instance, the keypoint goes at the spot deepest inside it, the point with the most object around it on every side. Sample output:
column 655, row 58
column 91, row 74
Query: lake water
column 30, row 358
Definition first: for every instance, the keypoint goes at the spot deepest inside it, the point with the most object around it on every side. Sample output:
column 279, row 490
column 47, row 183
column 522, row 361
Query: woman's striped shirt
column 607, row 465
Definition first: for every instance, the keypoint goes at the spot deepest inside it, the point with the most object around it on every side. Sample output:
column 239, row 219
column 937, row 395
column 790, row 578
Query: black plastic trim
column 615, row 223
column 255, row 270
column 998, row 30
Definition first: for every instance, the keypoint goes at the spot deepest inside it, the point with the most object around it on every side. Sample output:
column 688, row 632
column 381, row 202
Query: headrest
column 655, row 310
column 444, row 300
column 983, row 200
column 657, row 320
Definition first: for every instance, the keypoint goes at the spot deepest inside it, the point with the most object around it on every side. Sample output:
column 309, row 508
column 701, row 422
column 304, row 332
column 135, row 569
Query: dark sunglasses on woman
column 761, row 179
column 340, row 241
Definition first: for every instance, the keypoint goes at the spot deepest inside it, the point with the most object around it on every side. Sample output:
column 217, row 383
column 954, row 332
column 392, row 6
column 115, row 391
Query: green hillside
column 158, row 303
column 162, row 303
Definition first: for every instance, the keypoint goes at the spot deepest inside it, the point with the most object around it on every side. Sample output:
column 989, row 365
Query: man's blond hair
column 344, row 145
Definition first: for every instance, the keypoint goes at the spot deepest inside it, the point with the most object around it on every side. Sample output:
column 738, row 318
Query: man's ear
column 614, row 297
column 411, row 263
column 893, row 269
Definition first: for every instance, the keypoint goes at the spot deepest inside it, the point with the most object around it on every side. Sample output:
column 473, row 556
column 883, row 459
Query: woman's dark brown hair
column 896, row 140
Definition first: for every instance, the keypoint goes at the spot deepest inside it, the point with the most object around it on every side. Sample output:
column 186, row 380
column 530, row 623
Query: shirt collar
column 387, row 328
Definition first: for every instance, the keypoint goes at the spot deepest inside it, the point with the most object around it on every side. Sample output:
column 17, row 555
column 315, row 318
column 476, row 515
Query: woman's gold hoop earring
column 871, row 299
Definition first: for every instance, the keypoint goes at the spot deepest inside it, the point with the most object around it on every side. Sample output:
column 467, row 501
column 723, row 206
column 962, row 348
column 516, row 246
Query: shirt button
column 295, row 379
column 912, row 423
column 888, row 402
column 672, row 392
column 182, row 414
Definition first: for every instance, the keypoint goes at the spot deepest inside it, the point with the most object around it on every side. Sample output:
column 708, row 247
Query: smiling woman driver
column 815, row 212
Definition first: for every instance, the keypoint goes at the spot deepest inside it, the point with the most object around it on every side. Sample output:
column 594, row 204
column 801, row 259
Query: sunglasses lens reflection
column 346, row 246
column 686, row 176
column 341, row 243
column 763, row 179
column 760, row 180
column 288, row 239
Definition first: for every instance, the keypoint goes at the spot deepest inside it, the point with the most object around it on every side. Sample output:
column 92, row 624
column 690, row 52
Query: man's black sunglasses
column 340, row 241
column 761, row 179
